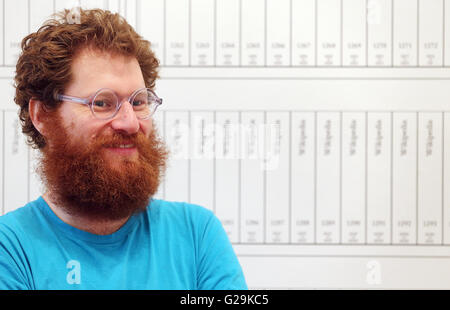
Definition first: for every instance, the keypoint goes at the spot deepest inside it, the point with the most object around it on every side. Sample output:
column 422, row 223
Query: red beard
column 83, row 183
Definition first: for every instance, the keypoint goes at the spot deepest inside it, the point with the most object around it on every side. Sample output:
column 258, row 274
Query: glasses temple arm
column 73, row 99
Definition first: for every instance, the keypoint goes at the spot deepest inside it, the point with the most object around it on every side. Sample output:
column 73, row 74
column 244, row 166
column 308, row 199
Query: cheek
column 146, row 127
column 77, row 121
column 84, row 132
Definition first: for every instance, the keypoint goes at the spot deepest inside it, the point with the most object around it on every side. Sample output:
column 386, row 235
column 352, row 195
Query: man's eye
column 99, row 103
column 140, row 104
column 102, row 104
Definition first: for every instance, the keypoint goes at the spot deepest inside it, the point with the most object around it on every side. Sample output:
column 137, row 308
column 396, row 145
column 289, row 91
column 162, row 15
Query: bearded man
column 86, row 99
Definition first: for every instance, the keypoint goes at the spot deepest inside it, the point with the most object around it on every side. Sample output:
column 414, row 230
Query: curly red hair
column 44, row 66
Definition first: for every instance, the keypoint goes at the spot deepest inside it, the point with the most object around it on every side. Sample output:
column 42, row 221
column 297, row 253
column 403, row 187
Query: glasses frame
column 89, row 101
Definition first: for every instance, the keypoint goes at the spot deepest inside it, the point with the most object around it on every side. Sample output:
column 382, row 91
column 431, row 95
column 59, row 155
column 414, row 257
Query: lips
column 120, row 145
column 125, row 146
column 122, row 148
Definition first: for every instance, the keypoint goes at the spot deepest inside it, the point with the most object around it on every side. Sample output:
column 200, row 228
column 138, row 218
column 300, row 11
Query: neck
column 98, row 227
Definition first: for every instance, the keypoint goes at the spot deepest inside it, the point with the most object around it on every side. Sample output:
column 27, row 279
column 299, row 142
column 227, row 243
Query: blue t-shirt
column 171, row 245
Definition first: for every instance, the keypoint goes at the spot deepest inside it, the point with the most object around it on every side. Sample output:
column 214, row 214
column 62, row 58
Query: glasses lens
column 104, row 104
column 145, row 103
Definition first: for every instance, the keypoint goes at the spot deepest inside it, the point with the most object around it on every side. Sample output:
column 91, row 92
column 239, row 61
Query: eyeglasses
column 105, row 103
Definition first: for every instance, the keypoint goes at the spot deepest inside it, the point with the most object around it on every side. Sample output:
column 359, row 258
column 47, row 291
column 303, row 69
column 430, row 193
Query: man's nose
column 125, row 119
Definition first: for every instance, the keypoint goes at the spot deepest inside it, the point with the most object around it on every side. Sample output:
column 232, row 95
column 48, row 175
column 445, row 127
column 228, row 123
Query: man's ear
column 37, row 114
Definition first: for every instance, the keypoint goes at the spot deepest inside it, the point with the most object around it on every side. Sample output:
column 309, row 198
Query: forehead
column 93, row 69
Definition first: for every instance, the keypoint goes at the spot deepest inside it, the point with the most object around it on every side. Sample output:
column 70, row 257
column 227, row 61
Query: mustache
column 117, row 139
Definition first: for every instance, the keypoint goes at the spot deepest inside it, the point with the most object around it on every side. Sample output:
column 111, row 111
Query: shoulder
column 217, row 266
column 15, row 222
column 16, row 231
column 19, row 227
column 188, row 213
column 184, row 220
